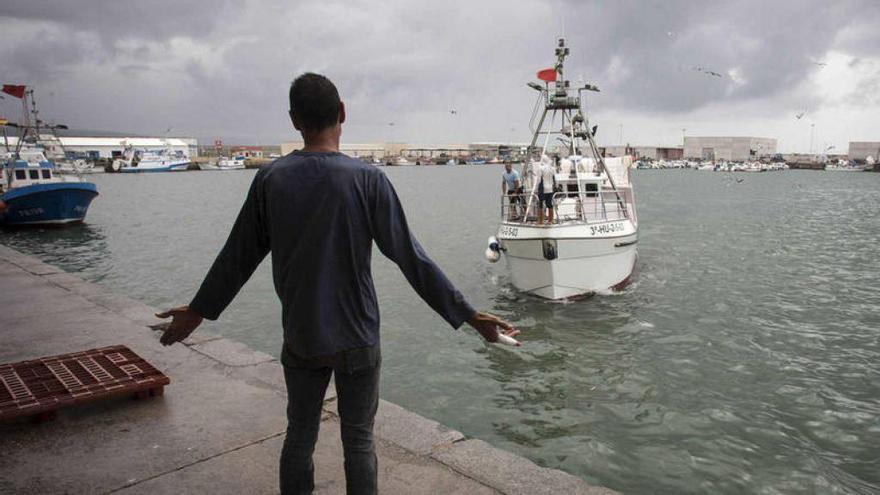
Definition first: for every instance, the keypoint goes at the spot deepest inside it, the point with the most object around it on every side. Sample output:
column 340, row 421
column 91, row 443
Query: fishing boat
column 589, row 244
column 234, row 163
column 35, row 194
column 31, row 191
column 76, row 166
column 844, row 166
column 138, row 160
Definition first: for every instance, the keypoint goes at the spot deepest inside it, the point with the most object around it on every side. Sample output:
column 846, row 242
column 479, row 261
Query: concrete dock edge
column 233, row 383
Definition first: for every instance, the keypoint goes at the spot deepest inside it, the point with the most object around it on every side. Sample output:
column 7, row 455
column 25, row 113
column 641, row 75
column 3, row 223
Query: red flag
column 16, row 91
column 548, row 75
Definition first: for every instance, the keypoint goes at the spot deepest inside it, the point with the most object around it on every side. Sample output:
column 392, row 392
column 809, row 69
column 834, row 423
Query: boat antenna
column 36, row 115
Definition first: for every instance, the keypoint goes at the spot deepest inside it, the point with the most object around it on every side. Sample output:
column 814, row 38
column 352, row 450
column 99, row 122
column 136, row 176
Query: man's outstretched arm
column 247, row 245
column 392, row 235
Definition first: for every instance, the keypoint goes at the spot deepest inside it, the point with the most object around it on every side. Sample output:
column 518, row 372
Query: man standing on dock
column 318, row 212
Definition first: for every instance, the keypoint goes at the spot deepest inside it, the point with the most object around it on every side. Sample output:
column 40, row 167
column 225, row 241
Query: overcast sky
column 215, row 69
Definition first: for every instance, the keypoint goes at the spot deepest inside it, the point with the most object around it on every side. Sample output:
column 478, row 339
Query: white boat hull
column 582, row 264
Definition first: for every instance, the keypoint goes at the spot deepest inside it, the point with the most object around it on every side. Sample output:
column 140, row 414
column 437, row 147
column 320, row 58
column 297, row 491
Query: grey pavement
column 219, row 426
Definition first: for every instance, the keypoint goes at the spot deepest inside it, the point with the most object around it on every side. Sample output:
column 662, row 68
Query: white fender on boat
column 492, row 256
column 493, row 249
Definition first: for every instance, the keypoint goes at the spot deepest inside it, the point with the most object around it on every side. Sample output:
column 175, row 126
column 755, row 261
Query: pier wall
column 219, row 426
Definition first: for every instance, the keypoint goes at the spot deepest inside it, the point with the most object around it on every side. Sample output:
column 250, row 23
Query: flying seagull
column 707, row 71
column 800, row 115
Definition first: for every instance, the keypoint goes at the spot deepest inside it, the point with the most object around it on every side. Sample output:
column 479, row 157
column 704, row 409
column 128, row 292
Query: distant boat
column 845, row 166
column 76, row 166
column 36, row 195
column 235, row 163
column 142, row 160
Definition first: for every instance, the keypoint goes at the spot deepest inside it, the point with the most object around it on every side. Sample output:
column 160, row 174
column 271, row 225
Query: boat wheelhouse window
column 46, row 173
column 34, row 174
column 592, row 189
column 20, row 175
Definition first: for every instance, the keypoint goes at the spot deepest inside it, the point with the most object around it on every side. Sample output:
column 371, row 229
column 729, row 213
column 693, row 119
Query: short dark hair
column 314, row 102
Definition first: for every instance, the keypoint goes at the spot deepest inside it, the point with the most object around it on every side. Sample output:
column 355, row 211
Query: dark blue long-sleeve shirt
column 319, row 213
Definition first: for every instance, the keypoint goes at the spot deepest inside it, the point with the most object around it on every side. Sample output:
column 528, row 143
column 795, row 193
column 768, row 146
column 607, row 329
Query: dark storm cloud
column 114, row 19
column 222, row 69
column 771, row 45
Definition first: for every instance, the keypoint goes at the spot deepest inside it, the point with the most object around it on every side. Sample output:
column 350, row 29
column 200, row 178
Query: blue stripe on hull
column 47, row 204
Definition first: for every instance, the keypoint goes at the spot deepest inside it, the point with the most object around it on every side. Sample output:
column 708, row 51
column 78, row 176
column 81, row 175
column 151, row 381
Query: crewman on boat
column 546, row 188
column 512, row 188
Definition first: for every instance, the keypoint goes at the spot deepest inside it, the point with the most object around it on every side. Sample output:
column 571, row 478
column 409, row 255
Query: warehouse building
column 113, row 147
column 644, row 152
column 95, row 148
column 736, row 149
column 861, row 150
column 421, row 150
column 356, row 150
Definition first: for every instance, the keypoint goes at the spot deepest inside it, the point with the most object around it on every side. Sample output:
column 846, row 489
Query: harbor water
column 745, row 357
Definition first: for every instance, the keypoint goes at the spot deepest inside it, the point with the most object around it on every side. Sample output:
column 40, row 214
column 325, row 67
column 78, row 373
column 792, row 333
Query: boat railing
column 584, row 207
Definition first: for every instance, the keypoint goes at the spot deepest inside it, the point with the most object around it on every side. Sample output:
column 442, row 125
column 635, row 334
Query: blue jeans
column 357, row 391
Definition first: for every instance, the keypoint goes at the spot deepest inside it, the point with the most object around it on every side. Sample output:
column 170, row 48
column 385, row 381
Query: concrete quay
column 220, row 424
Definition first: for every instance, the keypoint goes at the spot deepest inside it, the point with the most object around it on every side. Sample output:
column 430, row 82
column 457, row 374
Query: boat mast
column 572, row 111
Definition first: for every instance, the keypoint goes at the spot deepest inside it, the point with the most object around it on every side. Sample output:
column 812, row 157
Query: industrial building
column 420, row 150
column 370, row 150
column 102, row 147
column 861, row 150
column 247, row 151
column 645, row 152
column 736, row 149
column 96, row 147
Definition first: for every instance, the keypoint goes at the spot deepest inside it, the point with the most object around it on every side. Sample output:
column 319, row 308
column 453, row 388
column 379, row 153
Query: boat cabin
column 583, row 194
column 29, row 169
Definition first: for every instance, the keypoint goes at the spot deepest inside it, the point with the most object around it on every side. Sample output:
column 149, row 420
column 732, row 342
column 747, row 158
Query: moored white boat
column 589, row 245
column 141, row 160
column 234, row 163
column 844, row 166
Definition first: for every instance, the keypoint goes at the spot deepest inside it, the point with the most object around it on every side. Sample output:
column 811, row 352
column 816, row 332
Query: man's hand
column 184, row 321
column 488, row 326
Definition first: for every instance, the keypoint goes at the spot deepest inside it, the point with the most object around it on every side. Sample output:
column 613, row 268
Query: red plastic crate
column 39, row 387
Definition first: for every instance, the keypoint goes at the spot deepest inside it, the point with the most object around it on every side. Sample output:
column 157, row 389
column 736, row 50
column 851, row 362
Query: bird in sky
column 453, row 111
column 800, row 115
column 707, row 71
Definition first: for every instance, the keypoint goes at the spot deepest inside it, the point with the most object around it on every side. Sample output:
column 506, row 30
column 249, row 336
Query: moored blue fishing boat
column 34, row 195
